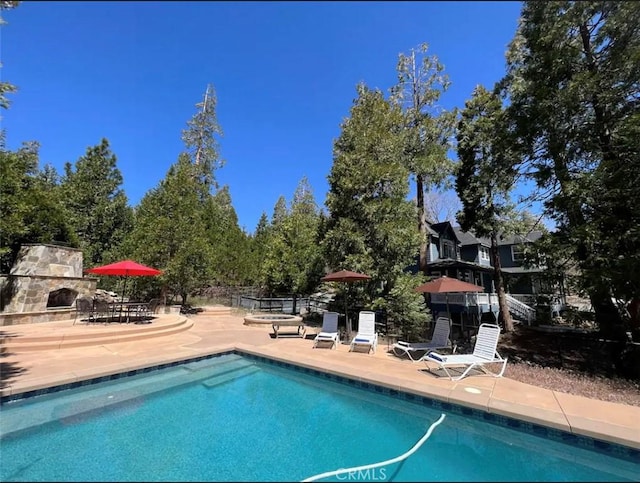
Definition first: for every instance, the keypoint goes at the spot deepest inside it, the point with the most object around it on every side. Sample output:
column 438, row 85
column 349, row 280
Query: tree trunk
column 422, row 224
column 606, row 315
column 504, row 313
column 163, row 295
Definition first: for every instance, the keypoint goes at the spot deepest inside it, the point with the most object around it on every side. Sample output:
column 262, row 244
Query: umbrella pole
column 347, row 329
column 446, row 297
column 124, row 287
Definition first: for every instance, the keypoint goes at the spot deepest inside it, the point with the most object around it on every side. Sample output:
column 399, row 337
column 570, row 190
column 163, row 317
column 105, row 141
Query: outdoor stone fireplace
column 43, row 282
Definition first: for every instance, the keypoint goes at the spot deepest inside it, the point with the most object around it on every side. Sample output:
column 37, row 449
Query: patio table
column 126, row 308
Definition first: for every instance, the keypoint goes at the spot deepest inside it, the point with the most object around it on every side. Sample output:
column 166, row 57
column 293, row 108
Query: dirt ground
column 570, row 363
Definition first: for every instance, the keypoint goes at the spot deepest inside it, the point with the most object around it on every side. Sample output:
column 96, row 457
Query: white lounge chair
column 329, row 332
column 484, row 353
column 417, row 350
column 366, row 337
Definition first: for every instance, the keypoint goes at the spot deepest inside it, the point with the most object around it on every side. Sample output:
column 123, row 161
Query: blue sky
column 285, row 75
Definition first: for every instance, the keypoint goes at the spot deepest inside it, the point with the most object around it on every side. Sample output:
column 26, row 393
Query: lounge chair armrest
column 436, row 357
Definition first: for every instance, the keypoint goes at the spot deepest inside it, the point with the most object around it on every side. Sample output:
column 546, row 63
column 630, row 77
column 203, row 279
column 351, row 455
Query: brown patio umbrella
column 447, row 285
column 345, row 276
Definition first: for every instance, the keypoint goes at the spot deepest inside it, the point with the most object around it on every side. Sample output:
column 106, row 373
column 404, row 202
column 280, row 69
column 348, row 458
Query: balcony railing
column 484, row 302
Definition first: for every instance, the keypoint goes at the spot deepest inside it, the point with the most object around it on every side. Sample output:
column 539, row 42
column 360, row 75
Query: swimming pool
column 244, row 418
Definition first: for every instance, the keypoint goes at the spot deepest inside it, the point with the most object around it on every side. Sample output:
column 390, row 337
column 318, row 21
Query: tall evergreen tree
column 304, row 226
column 31, row 209
column 275, row 277
column 485, row 177
column 201, row 141
column 98, row 207
column 229, row 242
column 572, row 80
column 428, row 129
column 257, row 243
column 170, row 234
column 371, row 226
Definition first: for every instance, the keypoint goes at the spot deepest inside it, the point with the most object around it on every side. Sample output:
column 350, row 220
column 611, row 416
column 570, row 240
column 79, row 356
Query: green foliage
column 97, row 205
column 572, row 79
column 6, row 87
column 406, row 310
column 31, row 209
column 169, row 232
column 485, row 177
column 292, row 260
column 427, row 129
column 255, row 259
column 200, row 138
column 231, row 249
column 421, row 83
column 486, row 174
column 371, row 226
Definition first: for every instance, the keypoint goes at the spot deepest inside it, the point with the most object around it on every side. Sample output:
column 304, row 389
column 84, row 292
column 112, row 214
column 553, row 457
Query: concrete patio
column 56, row 353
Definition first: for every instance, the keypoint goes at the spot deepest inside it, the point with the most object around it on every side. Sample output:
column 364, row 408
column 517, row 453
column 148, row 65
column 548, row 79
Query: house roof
column 467, row 238
column 459, row 263
column 515, row 239
column 520, row 270
column 443, row 226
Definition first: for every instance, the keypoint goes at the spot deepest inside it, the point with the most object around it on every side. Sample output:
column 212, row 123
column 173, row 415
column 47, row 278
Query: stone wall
column 53, row 315
column 41, row 271
column 48, row 260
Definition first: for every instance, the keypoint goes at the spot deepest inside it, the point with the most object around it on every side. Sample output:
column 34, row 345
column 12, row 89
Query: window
column 484, row 253
column 517, row 253
column 466, row 276
column 448, row 249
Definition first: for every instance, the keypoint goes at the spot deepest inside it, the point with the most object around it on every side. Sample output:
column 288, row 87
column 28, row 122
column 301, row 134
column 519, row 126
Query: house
column 462, row 255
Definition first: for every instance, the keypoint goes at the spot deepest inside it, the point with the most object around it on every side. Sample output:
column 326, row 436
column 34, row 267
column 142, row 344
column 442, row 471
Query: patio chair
column 416, row 350
column 103, row 312
column 366, row 338
column 484, row 353
column 84, row 307
column 329, row 332
column 148, row 310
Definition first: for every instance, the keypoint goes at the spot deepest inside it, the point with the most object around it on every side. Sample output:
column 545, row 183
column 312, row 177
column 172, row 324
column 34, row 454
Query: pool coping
column 541, row 426
column 609, row 448
column 614, row 423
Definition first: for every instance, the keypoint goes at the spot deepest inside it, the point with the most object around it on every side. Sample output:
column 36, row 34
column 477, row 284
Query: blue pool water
column 234, row 418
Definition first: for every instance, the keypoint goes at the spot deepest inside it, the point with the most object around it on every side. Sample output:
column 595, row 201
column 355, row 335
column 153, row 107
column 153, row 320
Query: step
column 216, row 311
column 229, row 366
column 230, row 376
column 213, row 362
column 16, row 345
column 96, row 331
column 119, row 394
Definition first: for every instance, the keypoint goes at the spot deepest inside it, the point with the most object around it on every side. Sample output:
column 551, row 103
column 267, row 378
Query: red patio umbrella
column 124, row 268
column 345, row 276
column 446, row 285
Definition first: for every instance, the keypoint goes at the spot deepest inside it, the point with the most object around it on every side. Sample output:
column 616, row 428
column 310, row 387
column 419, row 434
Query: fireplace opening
column 63, row 297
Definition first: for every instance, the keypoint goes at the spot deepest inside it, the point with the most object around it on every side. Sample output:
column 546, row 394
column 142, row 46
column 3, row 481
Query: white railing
column 466, row 299
column 520, row 310
column 516, row 307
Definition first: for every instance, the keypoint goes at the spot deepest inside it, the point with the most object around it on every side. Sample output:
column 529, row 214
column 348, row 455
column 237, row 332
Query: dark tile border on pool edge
column 611, row 449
